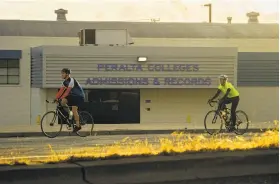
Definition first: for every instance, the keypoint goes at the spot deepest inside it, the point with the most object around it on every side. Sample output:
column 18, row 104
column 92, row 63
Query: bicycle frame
column 219, row 110
column 217, row 101
column 62, row 116
column 226, row 120
column 59, row 113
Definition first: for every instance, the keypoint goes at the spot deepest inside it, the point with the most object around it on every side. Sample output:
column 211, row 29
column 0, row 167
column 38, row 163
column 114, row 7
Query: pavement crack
column 84, row 173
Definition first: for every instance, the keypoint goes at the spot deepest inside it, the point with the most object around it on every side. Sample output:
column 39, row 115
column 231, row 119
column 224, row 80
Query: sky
column 140, row 10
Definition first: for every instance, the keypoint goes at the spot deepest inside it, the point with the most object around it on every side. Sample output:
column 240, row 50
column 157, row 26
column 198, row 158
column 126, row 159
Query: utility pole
column 210, row 11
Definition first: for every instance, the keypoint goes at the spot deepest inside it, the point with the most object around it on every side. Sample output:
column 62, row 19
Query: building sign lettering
column 168, row 81
column 177, row 81
column 150, row 67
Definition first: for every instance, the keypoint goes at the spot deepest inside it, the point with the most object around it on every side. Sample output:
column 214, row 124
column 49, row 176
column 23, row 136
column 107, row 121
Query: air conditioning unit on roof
column 95, row 37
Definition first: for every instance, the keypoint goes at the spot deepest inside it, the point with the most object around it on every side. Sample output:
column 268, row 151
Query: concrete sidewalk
column 121, row 129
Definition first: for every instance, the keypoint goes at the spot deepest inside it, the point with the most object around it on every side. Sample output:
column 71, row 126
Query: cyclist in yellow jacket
column 231, row 95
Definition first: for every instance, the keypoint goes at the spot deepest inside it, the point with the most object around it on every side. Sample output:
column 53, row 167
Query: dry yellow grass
column 177, row 143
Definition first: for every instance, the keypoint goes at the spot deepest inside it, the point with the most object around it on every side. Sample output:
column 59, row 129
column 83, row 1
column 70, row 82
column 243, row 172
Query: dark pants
column 74, row 100
column 234, row 103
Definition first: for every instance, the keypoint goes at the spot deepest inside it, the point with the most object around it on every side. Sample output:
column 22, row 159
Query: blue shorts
column 74, row 100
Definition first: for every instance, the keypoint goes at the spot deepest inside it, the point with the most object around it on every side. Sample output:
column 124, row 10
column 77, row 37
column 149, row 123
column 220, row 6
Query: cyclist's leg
column 234, row 104
column 76, row 102
column 223, row 103
column 64, row 103
column 76, row 115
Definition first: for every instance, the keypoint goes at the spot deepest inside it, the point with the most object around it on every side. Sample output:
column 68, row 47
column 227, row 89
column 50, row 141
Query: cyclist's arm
column 225, row 96
column 216, row 95
column 60, row 92
column 68, row 88
column 229, row 87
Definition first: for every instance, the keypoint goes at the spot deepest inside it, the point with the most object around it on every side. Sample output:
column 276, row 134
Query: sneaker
column 77, row 128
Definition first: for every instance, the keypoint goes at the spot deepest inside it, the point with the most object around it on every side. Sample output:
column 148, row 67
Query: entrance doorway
column 113, row 106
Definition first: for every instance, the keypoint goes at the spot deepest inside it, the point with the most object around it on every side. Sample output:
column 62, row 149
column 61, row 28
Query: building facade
column 175, row 82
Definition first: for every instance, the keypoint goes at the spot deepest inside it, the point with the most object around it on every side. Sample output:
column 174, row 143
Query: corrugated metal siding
column 36, row 67
column 84, row 61
column 258, row 69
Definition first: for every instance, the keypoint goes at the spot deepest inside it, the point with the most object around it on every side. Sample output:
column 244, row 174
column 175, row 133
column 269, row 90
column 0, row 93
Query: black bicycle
column 225, row 119
column 56, row 118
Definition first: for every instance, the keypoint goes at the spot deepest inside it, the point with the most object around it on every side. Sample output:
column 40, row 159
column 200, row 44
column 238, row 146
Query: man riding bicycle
column 72, row 94
column 231, row 95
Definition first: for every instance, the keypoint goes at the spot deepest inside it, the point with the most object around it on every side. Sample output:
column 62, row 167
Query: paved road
column 261, row 179
column 38, row 146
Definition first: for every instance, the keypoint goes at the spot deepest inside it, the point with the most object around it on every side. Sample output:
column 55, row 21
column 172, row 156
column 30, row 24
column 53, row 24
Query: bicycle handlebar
column 51, row 102
column 59, row 103
column 214, row 101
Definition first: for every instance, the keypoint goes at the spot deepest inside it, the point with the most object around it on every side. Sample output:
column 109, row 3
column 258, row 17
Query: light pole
column 210, row 11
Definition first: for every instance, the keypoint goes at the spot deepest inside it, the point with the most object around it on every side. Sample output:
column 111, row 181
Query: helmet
column 66, row 70
column 223, row 77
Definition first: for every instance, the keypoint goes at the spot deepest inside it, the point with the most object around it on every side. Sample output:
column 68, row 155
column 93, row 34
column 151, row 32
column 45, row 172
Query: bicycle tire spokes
column 87, row 123
column 239, row 122
column 53, row 120
column 45, row 118
column 218, row 113
column 216, row 126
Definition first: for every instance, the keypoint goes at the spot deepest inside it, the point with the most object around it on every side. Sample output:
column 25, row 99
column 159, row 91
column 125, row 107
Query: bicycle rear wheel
column 242, row 120
column 214, row 119
column 87, row 124
column 53, row 121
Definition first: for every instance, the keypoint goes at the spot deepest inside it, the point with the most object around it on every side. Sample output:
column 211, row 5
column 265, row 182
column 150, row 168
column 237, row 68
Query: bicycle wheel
column 52, row 120
column 87, row 124
column 242, row 120
column 215, row 120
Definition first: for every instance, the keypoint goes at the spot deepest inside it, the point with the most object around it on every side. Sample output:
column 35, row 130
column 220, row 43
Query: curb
column 152, row 169
column 115, row 132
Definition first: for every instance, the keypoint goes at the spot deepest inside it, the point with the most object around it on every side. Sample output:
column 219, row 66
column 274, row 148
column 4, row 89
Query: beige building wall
column 244, row 45
column 19, row 101
column 180, row 105
column 22, row 104
column 175, row 105
column 260, row 103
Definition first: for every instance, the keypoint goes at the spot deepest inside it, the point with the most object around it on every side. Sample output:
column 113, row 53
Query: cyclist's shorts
column 74, row 100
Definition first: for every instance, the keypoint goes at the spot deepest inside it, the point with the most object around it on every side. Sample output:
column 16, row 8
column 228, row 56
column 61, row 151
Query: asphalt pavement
column 39, row 146
column 259, row 179
column 34, row 130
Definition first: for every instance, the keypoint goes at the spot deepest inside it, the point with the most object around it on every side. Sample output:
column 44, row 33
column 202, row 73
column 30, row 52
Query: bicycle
column 63, row 117
column 225, row 116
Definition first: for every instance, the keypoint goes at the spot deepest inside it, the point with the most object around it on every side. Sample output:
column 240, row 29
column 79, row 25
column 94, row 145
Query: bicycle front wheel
column 242, row 122
column 213, row 123
column 51, row 124
column 87, row 124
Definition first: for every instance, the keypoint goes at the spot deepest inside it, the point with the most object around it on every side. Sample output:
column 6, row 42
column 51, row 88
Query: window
column 9, row 71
